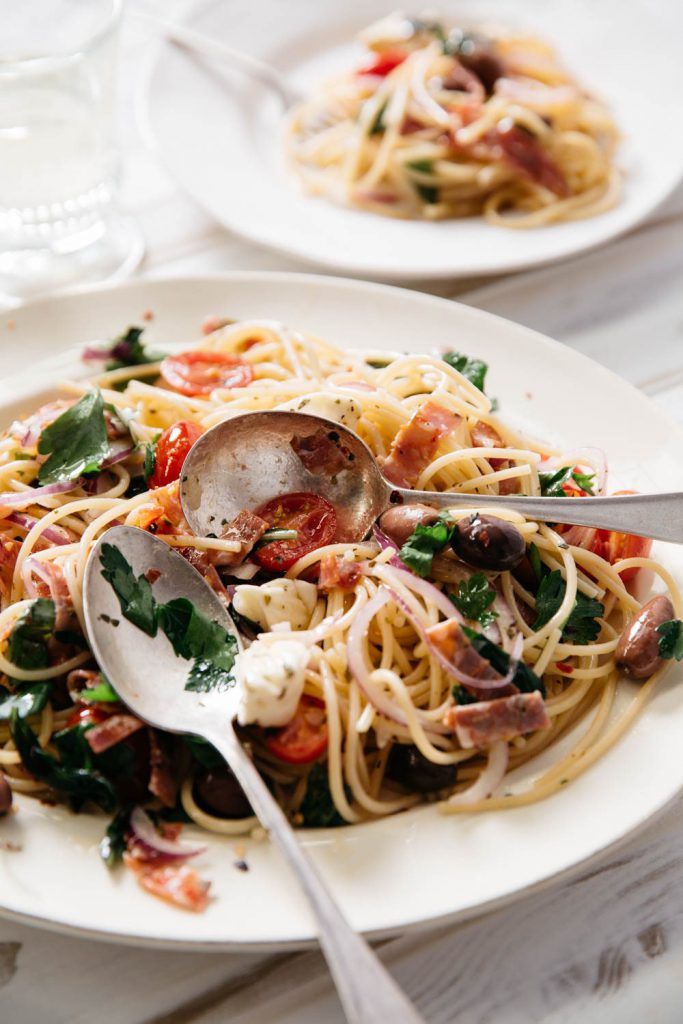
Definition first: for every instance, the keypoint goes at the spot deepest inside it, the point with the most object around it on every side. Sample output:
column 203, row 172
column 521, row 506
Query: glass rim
column 65, row 57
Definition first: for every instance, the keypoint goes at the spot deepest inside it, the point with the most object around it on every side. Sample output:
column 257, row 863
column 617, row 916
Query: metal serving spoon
column 150, row 679
column 244, row 461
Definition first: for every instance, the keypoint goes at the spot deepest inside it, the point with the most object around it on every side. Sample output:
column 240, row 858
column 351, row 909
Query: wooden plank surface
column 605, row 945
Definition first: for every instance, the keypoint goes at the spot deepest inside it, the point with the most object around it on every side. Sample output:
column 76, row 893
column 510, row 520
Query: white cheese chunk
column 330, row 404
column 270, row 676
column 277, row 601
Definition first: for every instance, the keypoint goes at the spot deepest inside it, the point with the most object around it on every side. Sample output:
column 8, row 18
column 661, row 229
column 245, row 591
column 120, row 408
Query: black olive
column 407, row 766
column 480, row 59
column 487, row 542
column 5, row 795
column 219, row 793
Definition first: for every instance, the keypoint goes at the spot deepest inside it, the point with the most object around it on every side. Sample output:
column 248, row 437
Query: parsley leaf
column 128, row 350
column 671, row 639
column 317, row 807
column 27, row 644
column 551, row 483
column 472, row 598
column 102, row 693
column 525, row 679
column 134, row 592
column 113, row 844
column 150, row 460
column 473, row 369
column 425, row 542
column 194, row 636
column 78, row 783
column 582, row 626
column 28, row 700
column 76, row 442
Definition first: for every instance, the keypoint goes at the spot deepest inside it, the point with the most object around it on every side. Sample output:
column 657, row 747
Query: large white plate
column 221, row 136
column 417, row 867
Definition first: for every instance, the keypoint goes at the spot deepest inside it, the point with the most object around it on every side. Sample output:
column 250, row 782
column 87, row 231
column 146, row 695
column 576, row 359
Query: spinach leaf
column 113, row 844
column 78, row 784
column 473, row 369
column 425, row 542
column 76, row 442
column 134, row 592
column 473, row 597
column 27, row 643
column 28, row 700
column 551, row 483
column 525, row 679
column 317, row 808
column 581, row 627
column 671, row 639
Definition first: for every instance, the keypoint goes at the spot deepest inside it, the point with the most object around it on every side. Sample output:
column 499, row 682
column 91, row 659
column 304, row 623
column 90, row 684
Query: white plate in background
column 220, row 134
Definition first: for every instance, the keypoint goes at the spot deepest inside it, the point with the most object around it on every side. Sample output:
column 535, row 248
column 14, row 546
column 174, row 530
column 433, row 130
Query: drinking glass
column 60, row 224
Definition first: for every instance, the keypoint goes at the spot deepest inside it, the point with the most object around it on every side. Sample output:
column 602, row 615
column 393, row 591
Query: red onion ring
column 34, row 495
column 117, row 453
column 53, row 534
column 488, row 781
column 149, row 845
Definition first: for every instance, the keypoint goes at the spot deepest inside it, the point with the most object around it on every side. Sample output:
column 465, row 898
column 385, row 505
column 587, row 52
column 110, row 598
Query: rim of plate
column 336, row 261
column 314, row 291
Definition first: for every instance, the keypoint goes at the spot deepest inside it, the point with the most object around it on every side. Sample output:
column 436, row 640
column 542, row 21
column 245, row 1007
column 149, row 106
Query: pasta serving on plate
column 426, row 662
column 441, row 122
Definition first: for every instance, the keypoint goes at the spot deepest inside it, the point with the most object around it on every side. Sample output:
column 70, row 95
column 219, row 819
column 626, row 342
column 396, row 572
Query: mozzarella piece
column 270, row 676
column 330, row 404
column 277, row 601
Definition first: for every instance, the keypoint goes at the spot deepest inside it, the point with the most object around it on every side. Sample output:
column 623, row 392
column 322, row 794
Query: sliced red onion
column 246, row 571
column 34, row 495
column 428, row 591
column 93, row 354
column 379, row 700
column 28, row 432
column 52, row 575
column 580, row 536
column 488, row 781
column 357, row 385
column 52, row 534
column 593, row 457
column 387, row 544
column 149, row 845
column 117, row 453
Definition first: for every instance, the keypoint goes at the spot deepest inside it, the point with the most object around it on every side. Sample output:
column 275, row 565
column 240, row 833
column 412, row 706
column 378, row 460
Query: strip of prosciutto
column 417, row 442
column 490, row 721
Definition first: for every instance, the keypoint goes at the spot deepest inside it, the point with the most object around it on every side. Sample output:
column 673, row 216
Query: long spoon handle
column 659, row 516
column 367, row 991
column 197, row 42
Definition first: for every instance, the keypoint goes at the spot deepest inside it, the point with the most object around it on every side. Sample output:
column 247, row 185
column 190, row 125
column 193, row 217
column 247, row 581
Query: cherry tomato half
column 312, row 516
column 383, row 63
column 86, row 714
column 303, row 739
column 614, row 546
column 199, row 373
column 171, row 451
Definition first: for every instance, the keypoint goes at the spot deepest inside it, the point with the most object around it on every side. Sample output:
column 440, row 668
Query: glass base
column 110, row 249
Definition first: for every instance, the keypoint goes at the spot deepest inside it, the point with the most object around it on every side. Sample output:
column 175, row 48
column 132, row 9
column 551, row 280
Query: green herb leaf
column 552, row 483
column 204, row 752
column 28, row 700
column 76, row 442
column 536, row 563
column 113, row 844
column 421, row 166
column 78, row 784
column 128, row 350
column 317, row 807
column 378, row 364
column 581, row 627
column 428, row 193
column 194, row 636
column 671, row 639
column 134, row 592
column 473, row 597
column 27, row 643
column 425, row 542
column 461, row 696
column 150, row 460
column 102, row 693
column 473, row 369
column 525, row 679
column 378, row 127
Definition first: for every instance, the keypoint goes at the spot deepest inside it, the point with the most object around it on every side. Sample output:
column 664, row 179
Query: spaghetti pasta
column 442, row 123
column 379, row 689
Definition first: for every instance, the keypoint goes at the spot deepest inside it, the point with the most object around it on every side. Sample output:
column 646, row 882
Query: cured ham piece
column 485, row 436
column 246, row 529
column 177, row 884
column 337, row 573
column 112, row 731
column 509, row 144
column 162, row 783
column 417, row 442
column 448, row 641
column 490, row 721
column 323, row 452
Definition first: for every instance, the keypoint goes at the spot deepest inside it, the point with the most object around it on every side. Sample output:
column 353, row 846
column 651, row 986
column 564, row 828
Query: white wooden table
column 605, row 945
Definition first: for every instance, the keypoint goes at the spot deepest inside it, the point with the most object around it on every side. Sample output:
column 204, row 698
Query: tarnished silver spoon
column 243, row 462
column 150, row 678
